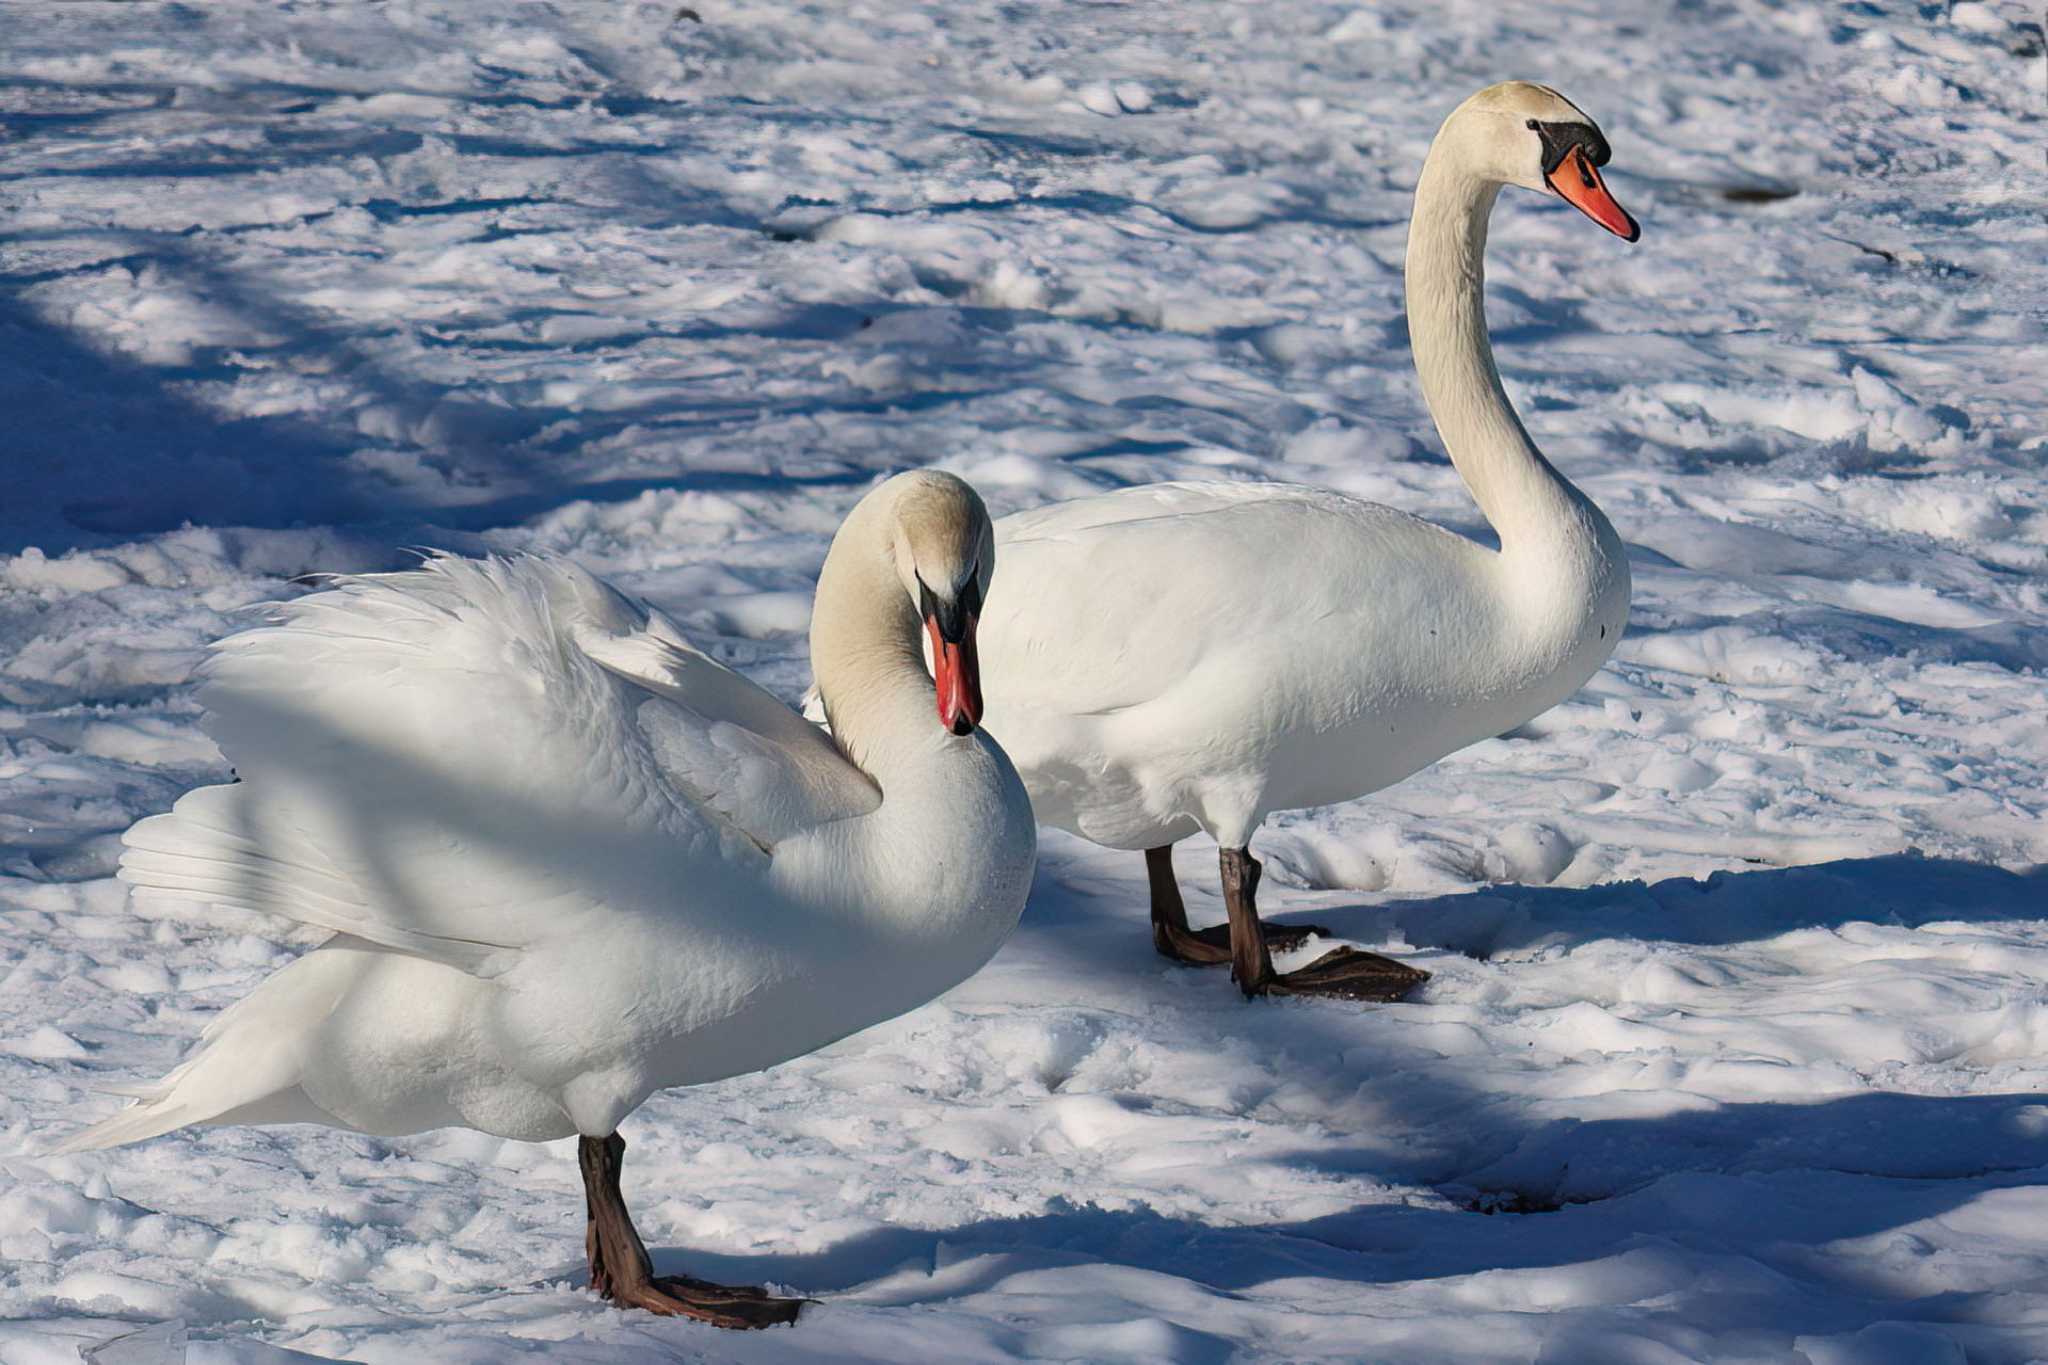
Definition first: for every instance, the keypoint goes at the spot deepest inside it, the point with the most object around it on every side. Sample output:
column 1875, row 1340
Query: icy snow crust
column 1733, row 1050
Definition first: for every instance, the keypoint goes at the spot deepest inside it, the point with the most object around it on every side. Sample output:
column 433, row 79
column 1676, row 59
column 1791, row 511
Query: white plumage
column 1192, row 657
column 567, row 858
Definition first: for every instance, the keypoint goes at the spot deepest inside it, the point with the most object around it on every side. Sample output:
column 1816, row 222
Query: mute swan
column 570, row 861
column 1194, row 656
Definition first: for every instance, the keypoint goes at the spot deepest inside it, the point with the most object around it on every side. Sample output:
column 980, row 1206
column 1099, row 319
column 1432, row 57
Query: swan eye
column 968, row 594
column 1560, row 138
column 1532, row 125
column 949, row 617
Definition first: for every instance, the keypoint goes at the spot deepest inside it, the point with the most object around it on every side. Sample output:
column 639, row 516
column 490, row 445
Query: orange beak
column 957, row 672
column 1580, row 184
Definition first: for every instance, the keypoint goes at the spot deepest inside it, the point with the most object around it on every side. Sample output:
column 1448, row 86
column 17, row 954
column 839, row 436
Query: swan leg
column 1203, row 947
column 1341, row 973
column 621, row 1271
column 1170, row 932
column 1251, row 961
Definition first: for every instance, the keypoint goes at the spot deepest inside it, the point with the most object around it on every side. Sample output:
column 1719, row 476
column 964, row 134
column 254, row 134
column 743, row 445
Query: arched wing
column 738, row 749
column 437, row 761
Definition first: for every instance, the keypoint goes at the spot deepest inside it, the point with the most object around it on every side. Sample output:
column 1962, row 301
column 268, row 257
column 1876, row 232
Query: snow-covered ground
column 1735, row 1047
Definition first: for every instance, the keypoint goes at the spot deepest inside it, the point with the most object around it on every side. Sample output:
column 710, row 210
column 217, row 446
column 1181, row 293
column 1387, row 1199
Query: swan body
column 1378, row 643
column 567, row 859
column 1194, row 656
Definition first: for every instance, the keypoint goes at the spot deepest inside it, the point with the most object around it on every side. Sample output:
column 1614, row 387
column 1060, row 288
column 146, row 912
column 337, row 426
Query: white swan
column 570, row 860
column 1189, row 657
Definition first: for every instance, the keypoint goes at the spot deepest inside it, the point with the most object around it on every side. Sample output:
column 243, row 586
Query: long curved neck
column 1529, row 504
column 866, row 648
column 937, row 875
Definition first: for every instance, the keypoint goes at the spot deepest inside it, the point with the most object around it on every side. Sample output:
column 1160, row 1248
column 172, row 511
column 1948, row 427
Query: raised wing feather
column 437, row 761
column 744, row 753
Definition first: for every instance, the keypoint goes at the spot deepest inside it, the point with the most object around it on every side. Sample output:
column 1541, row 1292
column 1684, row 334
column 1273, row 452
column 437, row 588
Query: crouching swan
column 569, row 860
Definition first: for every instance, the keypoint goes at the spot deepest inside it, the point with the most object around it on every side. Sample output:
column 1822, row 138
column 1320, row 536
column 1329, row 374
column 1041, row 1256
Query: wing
column 437, row 761
column 1060, row 521
column 1112, row 602
column 1105, row 604
column 741, row 751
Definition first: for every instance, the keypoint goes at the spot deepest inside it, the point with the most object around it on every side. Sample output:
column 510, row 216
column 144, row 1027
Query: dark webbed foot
column 620, row 1269
column 1340, row 974
column 1203, row 947
column 721, row 1305
column 1350, row 974
column 1189, row 948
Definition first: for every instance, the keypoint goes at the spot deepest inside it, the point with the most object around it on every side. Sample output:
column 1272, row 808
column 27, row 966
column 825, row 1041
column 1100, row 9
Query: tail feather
column 246, row 1068
column 144, row 1119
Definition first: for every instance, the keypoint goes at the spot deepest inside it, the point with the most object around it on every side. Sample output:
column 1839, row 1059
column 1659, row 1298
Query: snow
column 1734, row 1048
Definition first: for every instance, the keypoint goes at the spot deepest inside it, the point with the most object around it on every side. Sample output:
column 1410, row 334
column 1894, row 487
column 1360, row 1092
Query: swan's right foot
column 621, row 1271
column 1251, row 961
column 1348, row 974
column 721, row 1305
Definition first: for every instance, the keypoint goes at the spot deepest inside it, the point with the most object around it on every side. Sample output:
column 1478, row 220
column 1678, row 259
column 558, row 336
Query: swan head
column 944, row 546
column 1517, row 133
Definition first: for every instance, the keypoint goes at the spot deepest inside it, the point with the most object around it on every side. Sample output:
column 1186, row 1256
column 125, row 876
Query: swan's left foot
column 621, row 1271
column 1349, row 974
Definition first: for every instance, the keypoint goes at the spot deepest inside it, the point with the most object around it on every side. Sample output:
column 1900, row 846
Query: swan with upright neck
column 568, row 860
column 1191, row 657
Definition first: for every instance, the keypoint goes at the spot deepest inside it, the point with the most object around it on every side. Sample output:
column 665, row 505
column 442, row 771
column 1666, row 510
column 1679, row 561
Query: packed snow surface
column 1734, row 1048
